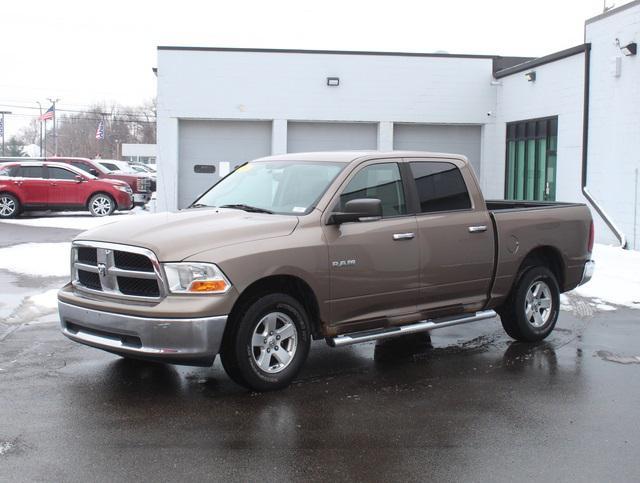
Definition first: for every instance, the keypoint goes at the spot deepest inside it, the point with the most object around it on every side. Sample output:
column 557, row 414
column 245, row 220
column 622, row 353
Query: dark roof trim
column 613, row 11
column 579, row 49
column 333, row 52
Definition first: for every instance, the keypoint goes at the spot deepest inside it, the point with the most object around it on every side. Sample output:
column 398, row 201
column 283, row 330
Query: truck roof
column 349, row 156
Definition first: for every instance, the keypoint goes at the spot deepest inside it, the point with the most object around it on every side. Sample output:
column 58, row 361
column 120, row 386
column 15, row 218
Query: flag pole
column 55, row 121
column 3, row 128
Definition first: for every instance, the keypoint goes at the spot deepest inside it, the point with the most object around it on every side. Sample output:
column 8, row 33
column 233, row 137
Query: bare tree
column 76, row 131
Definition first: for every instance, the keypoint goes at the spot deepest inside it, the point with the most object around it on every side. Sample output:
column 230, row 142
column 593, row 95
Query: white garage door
column 441, row 139
column 219, row 144
column 331, row 136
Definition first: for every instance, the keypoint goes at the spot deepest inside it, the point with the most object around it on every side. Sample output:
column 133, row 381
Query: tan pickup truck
column 345, row 246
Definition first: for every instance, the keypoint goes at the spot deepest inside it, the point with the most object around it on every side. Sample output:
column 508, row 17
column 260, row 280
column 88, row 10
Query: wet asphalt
column 467, row 404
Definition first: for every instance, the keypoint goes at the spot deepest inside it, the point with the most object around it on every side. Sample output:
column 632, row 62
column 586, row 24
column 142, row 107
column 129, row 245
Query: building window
column 531, row 159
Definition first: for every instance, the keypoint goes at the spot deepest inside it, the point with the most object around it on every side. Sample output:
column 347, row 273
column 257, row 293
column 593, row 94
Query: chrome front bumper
column 141, row 198
column 587, row 272
column 178, row 341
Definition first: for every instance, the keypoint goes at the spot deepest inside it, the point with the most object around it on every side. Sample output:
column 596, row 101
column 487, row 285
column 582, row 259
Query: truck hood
column 176, row 236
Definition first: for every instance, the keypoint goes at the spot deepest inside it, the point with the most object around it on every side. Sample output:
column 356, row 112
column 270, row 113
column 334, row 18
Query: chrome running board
column 422, row 326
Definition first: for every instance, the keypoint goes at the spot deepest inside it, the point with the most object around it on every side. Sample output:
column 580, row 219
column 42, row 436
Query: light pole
column 55, row 121
column 3, row 128
column 40, row 124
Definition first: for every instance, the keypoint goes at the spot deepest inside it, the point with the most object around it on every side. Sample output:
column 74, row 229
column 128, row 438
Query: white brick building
column 521, row 122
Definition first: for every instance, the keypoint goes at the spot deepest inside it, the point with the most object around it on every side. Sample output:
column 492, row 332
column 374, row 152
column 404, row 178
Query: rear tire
column 101, row 205
column 531, row 312
column 9, row 206
column 267, row 343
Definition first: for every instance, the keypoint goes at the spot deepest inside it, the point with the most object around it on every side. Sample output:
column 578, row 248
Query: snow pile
column 37, row 259
column 74, row 220
column 616, row 279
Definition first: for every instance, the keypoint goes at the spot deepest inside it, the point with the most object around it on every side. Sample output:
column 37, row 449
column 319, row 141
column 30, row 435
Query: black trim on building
column 585, row 112
column 579, row 49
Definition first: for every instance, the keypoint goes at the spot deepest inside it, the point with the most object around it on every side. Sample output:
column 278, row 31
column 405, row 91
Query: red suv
column 141, row 184
column 38, row 185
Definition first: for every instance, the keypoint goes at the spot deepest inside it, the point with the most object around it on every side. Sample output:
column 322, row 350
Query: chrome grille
column 143, row 185
column 115, row 270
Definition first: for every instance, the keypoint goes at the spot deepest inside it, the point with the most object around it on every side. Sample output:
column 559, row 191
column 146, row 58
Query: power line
column 75, row 118
column 134, row 117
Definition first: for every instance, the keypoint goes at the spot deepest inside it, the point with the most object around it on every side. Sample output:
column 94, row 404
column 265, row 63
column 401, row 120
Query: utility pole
column 40, row 124
column 3, row 128
column 55, row 121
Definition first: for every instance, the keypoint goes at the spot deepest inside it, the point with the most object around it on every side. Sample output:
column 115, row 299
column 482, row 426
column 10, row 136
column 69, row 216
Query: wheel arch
column 291, row 285
column 546, row 256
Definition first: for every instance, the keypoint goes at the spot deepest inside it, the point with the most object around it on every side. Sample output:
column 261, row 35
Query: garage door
column 331, row 136
column 440, row 138
column 219, row 144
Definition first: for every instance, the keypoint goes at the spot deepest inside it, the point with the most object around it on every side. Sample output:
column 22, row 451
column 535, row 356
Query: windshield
column 285, row 187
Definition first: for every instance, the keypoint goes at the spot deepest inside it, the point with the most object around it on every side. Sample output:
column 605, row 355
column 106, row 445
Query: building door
column 531, row 159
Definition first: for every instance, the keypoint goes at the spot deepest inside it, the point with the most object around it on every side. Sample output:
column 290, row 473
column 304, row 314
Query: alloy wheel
column 274, row 342
column 101, row 206
column 7, row 206
column 538, row 304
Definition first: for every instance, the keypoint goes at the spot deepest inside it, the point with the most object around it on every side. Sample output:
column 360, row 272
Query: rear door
column 373, row 264
column 32, row 185
column 456, row 238
column 64, row 189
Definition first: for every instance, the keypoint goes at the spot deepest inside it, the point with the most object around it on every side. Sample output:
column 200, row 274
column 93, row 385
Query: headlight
column 188, row 277
column 126, row 189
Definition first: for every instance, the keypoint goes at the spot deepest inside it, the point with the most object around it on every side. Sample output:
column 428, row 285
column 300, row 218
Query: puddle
column 618, row 359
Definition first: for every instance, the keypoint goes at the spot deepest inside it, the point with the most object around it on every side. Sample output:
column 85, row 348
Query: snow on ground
column 616, row 279
column 37, row 259
column 75, row 220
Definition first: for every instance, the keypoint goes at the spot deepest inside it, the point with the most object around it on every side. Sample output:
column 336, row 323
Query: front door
column 374, row 264
column 531, row 160
column 33, row 185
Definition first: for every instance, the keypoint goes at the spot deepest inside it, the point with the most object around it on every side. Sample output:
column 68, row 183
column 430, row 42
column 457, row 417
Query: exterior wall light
column 333, row 81
column 629, row 49
column 531, row 76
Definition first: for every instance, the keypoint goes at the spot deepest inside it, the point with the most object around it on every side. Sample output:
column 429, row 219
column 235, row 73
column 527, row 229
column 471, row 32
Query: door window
column 381, row 181
column 440, row 187
column 61, row 173
column 531, row 160
column 31, row 172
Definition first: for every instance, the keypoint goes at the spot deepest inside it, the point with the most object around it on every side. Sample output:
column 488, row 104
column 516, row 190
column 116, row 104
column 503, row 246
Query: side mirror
column 79, row 178
column 94, row 172
column 364, row 209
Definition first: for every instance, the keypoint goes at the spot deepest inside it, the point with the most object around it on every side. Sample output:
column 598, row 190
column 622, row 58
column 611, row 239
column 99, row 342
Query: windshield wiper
column 199, row 205
column 249, row 208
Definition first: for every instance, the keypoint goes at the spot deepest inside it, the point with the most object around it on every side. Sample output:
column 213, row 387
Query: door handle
column 477, row 228
column 403, row 236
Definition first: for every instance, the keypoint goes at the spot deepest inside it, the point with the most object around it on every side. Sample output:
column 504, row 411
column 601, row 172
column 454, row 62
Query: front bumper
column 141, row 198
column 178, row 341
column 587, row 272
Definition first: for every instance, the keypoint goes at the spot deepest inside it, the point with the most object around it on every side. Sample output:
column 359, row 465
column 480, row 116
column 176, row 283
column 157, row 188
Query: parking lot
column 467, row 405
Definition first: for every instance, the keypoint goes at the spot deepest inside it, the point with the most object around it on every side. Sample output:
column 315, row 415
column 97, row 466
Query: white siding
column 290, row 87
column 557, row 91
column 614, row 120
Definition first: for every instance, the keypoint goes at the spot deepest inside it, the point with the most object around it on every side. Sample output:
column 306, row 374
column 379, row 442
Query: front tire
column 267, row 343
column 531, row 313
column 101, row 205
column 9, row 206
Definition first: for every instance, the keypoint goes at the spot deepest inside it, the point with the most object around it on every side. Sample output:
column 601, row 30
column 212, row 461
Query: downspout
column 585, row 140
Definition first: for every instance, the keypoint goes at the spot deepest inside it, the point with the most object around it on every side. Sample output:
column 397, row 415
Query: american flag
column 100, row 130
column 51, row 112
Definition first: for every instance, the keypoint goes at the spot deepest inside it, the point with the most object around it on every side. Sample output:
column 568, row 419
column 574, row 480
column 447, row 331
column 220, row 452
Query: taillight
column 591, row 237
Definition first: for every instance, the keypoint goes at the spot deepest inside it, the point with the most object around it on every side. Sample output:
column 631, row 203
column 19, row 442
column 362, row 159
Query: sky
column 84, row 52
